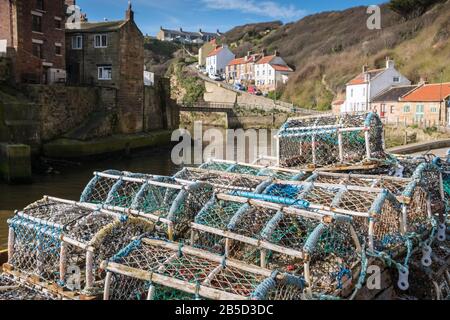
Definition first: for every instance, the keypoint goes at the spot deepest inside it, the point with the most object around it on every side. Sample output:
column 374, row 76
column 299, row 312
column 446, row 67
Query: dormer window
column 396, row 79
column 100, row 41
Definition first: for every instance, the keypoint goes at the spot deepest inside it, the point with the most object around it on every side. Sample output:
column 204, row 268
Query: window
column 40, row 4
column 396, row 79
column 419, row 112
column 77, row 42
column 58, row 23
column 100, row 41
column 406, row 108
column 105, row 73
column 392, row 109
column 37, row 50
column 58, row 50
column 433, row 109
column 37, row 23
column 351, row 93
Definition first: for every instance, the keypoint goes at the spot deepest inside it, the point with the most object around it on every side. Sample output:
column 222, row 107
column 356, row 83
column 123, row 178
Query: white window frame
column 101, row 73
column 396, row 79
column 79, row 45
column 101, row 36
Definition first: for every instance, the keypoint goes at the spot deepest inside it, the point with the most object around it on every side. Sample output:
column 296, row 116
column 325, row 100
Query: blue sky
column 210, row 14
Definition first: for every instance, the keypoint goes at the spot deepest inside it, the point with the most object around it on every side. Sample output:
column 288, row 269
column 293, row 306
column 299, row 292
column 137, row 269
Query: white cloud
column 263, row 8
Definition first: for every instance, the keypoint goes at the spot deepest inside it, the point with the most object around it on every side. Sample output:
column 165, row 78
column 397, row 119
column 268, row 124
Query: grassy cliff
column 330, row 48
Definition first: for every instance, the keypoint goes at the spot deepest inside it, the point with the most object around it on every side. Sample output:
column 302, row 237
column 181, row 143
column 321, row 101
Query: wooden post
column 151, row 292
column 308, row 278
column 89, row 269
column 228, row 243
column 313, row 148
column 371, row 229
column 107, row 285
column 263, row 257
column 367, row 139
column 11, row 240
column 341, row 148
column 404, row 220
column 192, row 237
column 170, row 231
column 63, row 262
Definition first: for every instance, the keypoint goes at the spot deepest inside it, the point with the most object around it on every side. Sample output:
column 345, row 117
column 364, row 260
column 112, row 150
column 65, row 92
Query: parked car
column 254, row 90
column 216, row 77
column 239, row 87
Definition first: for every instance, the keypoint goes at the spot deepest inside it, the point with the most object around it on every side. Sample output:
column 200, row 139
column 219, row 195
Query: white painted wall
column 3, row 46
column 359, row 97
column 265, row 74
column 216, row 64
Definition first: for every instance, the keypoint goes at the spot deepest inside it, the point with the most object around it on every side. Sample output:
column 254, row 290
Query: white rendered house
column 218, row 59
column 271, row 72
column 367, row 85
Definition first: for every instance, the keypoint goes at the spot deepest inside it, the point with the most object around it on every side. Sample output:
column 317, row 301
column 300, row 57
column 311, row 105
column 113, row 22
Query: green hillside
column 330, row 48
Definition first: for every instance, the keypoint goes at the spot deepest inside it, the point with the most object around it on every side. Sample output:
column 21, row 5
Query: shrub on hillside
column 412, row 8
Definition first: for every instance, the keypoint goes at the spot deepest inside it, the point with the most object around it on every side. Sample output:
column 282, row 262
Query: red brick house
column 32, row 35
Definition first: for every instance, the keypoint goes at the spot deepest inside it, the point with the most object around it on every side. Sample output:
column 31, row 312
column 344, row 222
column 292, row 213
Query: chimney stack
column 130, row 13
column 277, row 53
column 365, row 68
column 390, row 64
column 181, row 29
column 263, row 52
column 423, row 81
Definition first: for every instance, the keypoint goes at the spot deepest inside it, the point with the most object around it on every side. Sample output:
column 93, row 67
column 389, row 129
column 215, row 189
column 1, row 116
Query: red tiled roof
column 360, row 79
column 429, row 93
column 215, row 52
column 280, row 67
column 265, row 60
column 239, row 61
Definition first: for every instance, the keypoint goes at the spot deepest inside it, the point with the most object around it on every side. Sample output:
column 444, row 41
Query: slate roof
column 393, row 93
column 107, row 26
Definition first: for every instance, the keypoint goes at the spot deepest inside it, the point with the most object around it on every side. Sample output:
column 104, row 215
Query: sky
column 210, row 15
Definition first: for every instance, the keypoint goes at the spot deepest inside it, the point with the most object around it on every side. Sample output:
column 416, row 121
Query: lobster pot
column 63, row 242
column 393, row 184
column 224, row 181
column 13, row 289
column 252, row 169
column 157, row 270
column 114, row 188
column 331, row 141
column 281, row 238
column 35, row 237
column 165, row 200
column 172, row 202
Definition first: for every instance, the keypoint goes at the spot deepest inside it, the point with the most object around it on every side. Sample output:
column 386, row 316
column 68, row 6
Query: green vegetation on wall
column 193, row 86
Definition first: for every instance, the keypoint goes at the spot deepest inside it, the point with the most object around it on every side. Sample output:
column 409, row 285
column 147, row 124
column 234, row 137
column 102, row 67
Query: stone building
column 32, row 35
column 188, row 37
column 242, row 70
column 423, row 103
column 111, row 55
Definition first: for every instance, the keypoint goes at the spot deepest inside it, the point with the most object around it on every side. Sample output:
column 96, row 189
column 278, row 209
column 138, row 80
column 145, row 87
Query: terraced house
column 32, row 36
column 110, row 55
column 427, row 104
column 188, row 37
column 242, row 70
column 271, row 72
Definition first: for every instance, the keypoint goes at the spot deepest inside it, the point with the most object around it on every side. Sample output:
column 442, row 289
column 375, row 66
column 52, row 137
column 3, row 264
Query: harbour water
column 70, row 181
